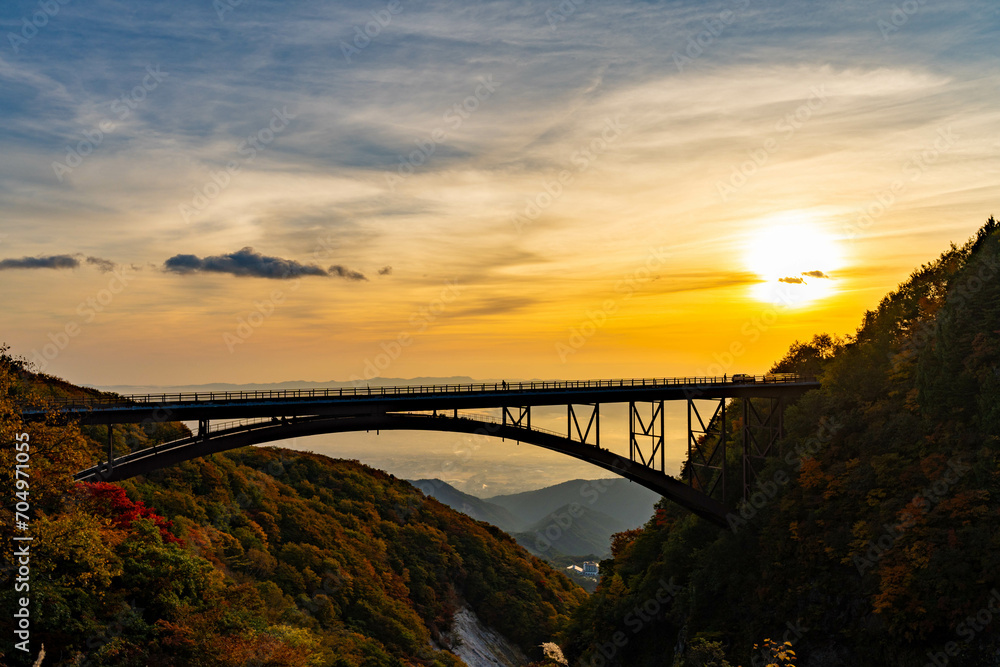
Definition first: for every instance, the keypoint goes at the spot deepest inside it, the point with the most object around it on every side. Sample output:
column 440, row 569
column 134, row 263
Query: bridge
column 256, row 417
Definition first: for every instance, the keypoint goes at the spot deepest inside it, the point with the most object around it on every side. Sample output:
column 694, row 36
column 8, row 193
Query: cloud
column 344, row 272
column 815, row 274
column 385, row 271
column 51, row 262
column 245, row 262
column 103, row 265
column 792, row 281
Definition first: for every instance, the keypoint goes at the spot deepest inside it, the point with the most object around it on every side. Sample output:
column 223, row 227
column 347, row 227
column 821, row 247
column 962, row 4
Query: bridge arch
column 213, row 442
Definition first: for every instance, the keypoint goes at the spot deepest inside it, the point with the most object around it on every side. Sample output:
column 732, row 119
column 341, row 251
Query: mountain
column 571, row 530
column 874, row 539
column 575, row 518
column 261, row 556
column 627, row 503
column 477, row 508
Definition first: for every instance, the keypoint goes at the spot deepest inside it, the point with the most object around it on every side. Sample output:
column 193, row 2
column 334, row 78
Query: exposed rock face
column 478, row 645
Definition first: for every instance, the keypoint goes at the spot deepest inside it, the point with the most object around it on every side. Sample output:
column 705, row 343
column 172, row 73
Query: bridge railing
column 90, row 402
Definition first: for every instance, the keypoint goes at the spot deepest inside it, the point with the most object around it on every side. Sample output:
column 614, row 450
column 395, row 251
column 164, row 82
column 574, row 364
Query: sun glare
column 796, row 261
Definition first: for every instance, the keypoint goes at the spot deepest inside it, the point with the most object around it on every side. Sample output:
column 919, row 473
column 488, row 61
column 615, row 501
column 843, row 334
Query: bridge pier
column 706, row 466
column 523, row 418
column 654, row 429
column 760, row 437
column 594, row 421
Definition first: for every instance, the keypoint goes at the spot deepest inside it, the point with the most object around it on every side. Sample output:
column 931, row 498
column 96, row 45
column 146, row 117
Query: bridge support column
column 572, row 423
column 523, row 419
column 706, row 467
column 203, row 429
column 763, row 427
column 654, row 429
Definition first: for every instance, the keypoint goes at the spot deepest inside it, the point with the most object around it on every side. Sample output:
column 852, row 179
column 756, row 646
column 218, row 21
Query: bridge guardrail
column 367, row 391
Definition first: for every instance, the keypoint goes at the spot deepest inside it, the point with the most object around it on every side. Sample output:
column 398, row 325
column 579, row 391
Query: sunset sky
column 195, row 192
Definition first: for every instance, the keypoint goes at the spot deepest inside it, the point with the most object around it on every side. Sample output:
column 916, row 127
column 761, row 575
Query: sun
column 795, row 260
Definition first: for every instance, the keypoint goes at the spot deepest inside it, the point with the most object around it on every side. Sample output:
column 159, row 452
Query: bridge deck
column 353, row 400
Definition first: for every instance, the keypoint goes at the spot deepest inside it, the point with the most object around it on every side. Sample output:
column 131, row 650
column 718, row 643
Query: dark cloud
column 51, row 262
column 245, row 262
column 792, row 281
column 103, row 265
column 385, row 271
column 344, row 272
column 815, row 274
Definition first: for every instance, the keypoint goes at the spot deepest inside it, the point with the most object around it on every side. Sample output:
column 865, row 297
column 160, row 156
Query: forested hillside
column 260, row 556
column 875, row 538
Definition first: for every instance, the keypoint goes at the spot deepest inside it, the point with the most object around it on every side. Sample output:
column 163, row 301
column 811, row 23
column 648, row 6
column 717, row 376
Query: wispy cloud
column 344, row 272
column 103, row 265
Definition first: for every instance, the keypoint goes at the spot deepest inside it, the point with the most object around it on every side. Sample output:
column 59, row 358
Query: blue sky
column 625, row 124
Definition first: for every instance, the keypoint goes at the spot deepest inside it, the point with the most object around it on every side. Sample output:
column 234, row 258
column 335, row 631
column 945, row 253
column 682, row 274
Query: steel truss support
column 654, row 429
column 523, row 419
column 594, row 422
column 706, row 468
column 760, row 436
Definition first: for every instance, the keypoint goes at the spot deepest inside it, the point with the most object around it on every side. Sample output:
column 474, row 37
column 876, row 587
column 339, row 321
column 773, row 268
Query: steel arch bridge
column 268, row 416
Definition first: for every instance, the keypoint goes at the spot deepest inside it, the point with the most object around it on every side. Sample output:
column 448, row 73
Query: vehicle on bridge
column 743, row 378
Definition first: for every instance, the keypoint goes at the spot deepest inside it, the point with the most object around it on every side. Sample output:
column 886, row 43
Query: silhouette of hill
column 620, row 499
column 477, row 508
column 571, row 530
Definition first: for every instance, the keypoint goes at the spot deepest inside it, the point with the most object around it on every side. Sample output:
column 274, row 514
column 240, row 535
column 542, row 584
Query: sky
column 253, row 191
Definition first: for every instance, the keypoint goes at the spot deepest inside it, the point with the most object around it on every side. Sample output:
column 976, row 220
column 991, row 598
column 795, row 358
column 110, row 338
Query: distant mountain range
column 574, row 518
